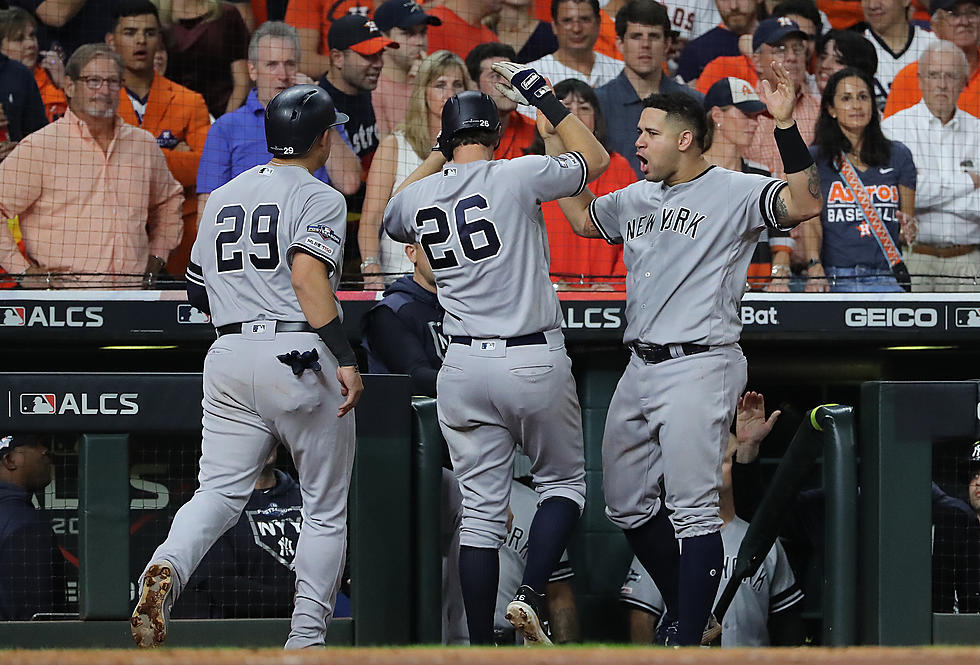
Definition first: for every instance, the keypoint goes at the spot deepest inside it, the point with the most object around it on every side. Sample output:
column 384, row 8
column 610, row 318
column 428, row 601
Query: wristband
column 553, row 109
column 792, row 149
column 333, row 336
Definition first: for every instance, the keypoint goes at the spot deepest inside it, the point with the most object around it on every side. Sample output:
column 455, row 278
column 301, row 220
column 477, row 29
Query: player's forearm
column 802, row 198
column 432, row 164
column 576, row 136
column 56, row 13
column 576, row 211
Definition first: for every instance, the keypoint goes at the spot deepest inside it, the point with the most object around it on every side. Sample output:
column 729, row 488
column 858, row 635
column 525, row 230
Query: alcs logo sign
column 83, row 404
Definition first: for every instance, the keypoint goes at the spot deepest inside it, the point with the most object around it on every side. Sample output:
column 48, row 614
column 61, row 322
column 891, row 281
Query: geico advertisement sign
column 51, row 316
column 891, row 317
column 80, row 404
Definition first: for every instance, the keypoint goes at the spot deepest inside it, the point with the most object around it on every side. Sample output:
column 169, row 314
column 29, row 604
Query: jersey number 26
column 477, row 237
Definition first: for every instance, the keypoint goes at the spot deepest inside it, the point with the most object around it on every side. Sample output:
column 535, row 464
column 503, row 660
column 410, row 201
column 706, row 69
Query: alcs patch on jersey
column 324, row 232
column 319, row 246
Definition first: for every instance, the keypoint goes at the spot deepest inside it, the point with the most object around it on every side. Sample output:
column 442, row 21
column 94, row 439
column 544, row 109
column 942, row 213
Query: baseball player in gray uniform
column 506, row 377
column 689, row 229
column 762, row 600
column 266, row 264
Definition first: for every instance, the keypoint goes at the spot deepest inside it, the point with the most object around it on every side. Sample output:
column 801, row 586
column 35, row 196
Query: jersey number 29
column 477, row 237
column 263, row 227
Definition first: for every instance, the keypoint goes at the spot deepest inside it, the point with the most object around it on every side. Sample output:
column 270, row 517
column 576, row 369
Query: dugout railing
column 900, row 424
column 89, row 404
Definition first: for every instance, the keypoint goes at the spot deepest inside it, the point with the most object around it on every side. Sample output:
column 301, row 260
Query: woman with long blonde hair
column 441, row 75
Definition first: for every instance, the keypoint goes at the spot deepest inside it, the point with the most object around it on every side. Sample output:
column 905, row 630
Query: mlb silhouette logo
column 13, row 316
column 190, row 314
column 968, row 317
column 258, row 328
column 37, row 403
column 488, row 346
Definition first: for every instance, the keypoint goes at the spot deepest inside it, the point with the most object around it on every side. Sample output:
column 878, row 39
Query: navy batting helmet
column 464, row 111
column 296, row 117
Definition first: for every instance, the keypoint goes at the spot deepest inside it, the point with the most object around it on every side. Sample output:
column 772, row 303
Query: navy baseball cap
column 936, row 5
column 359, row 34
column 774, row 30
column 731, row 91
column 402, row 14
column 10, row 441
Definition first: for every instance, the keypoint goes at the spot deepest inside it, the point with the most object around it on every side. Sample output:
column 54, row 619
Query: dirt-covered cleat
column 149, row 621
column 525, row 614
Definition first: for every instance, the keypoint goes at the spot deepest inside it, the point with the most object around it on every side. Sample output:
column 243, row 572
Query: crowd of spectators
column 88, row 205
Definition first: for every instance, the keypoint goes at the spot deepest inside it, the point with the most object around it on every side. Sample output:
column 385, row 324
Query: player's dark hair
column 126, row 8
column 481, row 52
column 643, row 12
column 485, row 137
column 682, row 107
column 555, row 3
column 830, row 140
column 853, row 49
column 805, row 8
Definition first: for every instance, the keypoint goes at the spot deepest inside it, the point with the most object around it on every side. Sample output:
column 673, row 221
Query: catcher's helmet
column 466, row 110
column 296, row 117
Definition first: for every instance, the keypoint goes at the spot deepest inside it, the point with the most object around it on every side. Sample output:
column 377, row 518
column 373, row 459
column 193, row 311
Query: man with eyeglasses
column 945, row 142
column 98, row 206
column 956, row 21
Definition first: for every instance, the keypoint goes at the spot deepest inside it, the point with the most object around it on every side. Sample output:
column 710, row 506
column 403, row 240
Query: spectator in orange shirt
column 578, row 263
column 956, row 21
column 175, row 115
column 801, row 12
column 838, row 49
column 18, row 41
column 407, row 24
column 313, row 18
column 94, row 195
column 462, row 26
column 516, row 131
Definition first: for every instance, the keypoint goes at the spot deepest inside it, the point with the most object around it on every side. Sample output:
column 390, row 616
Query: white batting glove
column 524, row 85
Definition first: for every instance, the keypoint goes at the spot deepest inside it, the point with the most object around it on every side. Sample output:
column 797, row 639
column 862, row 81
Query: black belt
column 652, row 354
column 281, row 326
column 523, row 340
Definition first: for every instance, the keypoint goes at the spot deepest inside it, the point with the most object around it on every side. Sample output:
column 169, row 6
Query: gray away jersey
column 687, row 250
column 249, row 231
column 772, row 589
column 480, row 227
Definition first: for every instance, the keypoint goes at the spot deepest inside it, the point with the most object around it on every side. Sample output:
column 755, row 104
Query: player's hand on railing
column 351, row 387
column 816, row 279
column 779, row 279
column 751, row 425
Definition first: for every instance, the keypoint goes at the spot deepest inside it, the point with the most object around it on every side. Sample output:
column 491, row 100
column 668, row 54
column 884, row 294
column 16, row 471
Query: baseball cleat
column 149, row 621
column 524, row 614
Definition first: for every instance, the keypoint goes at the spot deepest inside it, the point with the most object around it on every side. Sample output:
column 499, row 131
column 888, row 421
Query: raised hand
column 751, row 425
column 524, row 84
column 782, row 100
